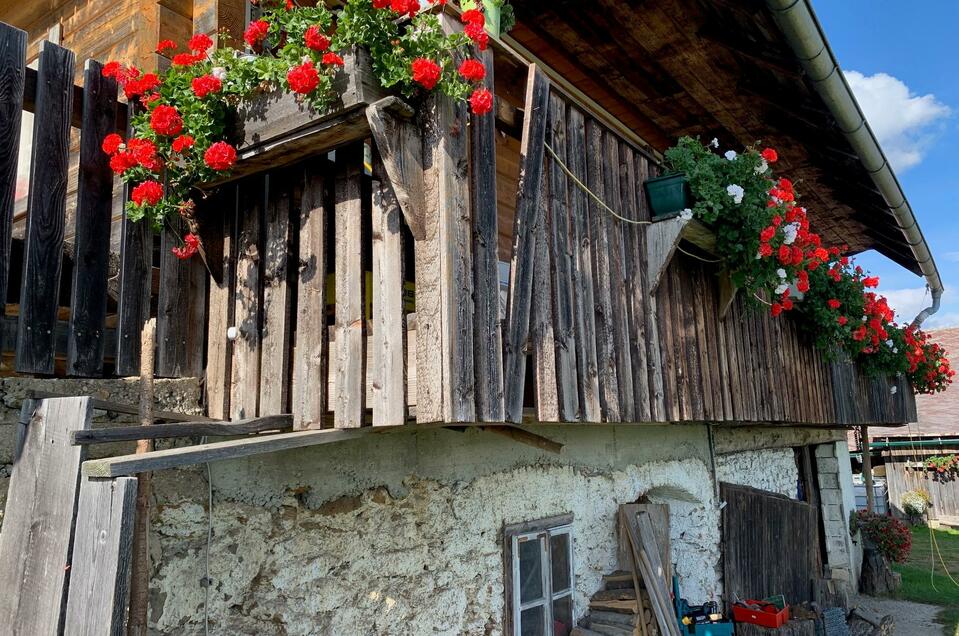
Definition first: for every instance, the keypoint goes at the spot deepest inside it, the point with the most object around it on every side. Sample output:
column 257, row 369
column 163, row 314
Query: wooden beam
column 662, row 238
column 128, row 409
column 182, row 429
column 523, row 436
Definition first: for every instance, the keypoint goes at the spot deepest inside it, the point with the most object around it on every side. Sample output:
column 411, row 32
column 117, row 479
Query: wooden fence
column 72, row 318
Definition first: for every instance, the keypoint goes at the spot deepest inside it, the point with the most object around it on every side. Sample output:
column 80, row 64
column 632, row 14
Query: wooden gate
column 770, row 545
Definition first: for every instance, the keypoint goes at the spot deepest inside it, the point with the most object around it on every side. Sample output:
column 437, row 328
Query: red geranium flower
column 122, row 161
column 206, row 84
column 776, row 309
column 185, row 59
column 183, row 142
column 166, row 120
column 770, row 155
column 144, row 152
column 381, row 4
column 191, row 243
column 149, row 192
column 112, row 143
column 332, row 59
column 765, row 250
column 477, row 34
column 767, row 234
column 256, row 32
column 112, row 69
column 200, row 43
column 426, row 72
column 315, row 39
column 472, row 70
column 473, row 16
column 303, row 78
column 870, row 281
column 165, row 45
column 842, row 320
column 481, row 101
column 220, row 156
column 833, row 303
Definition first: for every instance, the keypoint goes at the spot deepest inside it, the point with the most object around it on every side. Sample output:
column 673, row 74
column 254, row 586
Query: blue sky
column 900, row 58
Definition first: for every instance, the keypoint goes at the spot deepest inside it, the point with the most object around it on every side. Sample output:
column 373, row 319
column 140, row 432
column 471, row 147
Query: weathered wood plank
column 561, row 250
column 386, row 376
column 609, row 390
column 182, row 429
column 181, row 308
column 117, row 407
column 100, row 566
column 46, row 210
column 487, row 333
column 136, row 272
column 88, row 306
column 40, row 510
column 528, row 195
column 348, row 359
column 245, row 370
column 222, row 209
column 310, row 369
column 654, row 350
column 541, row 321
column 584, row 321
column 277, row 309
column 619, row 318
column 13, row 51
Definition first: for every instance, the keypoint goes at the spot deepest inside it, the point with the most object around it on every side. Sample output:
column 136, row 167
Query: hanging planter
column 667, row 195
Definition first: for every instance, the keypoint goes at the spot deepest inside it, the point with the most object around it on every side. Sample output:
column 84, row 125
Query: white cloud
column 951, row 257
column 909, row 301
column 941, row 321
column 902, row 121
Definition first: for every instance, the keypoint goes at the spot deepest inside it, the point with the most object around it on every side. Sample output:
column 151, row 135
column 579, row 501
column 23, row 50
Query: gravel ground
column 912, row 619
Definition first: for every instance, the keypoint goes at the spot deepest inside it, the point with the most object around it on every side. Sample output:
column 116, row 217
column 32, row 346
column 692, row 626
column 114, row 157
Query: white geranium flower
column 781, row 273
column 789, row 233
column 889, row 342
column 736, row 192
column 762, row 167
column 894, row 390
column 895, row 349
column 686, row 214
column 714, row 143
column 731, row 155
column 782, row 288
column 219, row 72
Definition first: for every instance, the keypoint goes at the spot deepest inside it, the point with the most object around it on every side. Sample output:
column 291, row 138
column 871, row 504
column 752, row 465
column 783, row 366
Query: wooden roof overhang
column 715, row 68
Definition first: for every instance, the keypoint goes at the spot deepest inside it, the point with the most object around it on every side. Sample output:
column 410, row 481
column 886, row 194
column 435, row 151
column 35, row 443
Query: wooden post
column 867, row 468
column 140, row 577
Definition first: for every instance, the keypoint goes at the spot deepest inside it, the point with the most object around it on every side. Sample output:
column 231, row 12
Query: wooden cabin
column 405, row 267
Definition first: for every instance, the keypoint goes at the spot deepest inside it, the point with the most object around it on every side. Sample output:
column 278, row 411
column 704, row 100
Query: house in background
column 476, row 476
column 901, row 455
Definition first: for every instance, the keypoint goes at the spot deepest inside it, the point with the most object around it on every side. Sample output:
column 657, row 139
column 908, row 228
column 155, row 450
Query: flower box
column 667, row 195
column 276, row 128
column 767, row 614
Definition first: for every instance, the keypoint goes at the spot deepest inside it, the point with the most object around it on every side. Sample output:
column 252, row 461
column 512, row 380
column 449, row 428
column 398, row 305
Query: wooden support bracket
column 401, row 148
column 662, row 239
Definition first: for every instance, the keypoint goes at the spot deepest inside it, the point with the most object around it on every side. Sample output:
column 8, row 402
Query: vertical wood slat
column 655, row 351
column 603, row 305
column 310, row 371
column 102, row 549
column 582, row 263
column 275, row 330
column 619, row 320
column 349, row 359
column 449, row 166
column 13, row 50
column 562, row 248
column 181, row 308
column 88, row 306
column 386, row 376
column 46, row 211
column 219, row 354
column 487, row 332
column 541, row 334
column 633, row 290
column 528, row 210
column 136, row 274
column 245, row 370
column 40, row 511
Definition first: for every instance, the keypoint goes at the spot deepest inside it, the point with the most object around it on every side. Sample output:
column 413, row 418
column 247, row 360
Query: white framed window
column 539, row 560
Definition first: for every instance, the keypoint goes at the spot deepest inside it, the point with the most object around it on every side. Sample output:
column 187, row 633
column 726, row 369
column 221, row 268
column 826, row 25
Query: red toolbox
column 767, row 614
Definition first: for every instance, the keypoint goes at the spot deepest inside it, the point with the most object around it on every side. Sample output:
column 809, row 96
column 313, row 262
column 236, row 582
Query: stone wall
column 771, row 469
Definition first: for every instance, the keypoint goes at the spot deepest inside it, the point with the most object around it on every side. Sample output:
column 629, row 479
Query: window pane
column 530, row 570
column 563, row 616
column 533, row 620
column 559, row 549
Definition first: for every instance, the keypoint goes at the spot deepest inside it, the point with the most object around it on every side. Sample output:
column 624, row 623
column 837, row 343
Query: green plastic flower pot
column 667, row 195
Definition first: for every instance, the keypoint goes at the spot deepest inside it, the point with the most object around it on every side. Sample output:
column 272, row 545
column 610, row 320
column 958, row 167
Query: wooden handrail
column 30, row 102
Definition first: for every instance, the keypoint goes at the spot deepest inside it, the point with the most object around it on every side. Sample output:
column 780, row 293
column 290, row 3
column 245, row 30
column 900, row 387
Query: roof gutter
column 802, row 30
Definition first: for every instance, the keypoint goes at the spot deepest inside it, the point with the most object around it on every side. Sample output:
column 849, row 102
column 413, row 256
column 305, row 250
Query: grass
column 939, row 590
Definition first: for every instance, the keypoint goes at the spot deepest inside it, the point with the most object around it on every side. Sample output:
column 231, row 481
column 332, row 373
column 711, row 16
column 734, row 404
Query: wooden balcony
column 387, row 262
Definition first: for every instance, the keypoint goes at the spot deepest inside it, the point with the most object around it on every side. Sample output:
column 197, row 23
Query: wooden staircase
column 614, row 611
